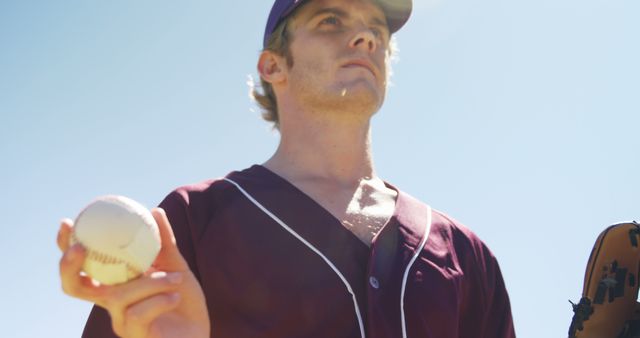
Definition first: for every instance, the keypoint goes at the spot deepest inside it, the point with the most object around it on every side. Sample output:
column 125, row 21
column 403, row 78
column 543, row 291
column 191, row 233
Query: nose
column 364, row 40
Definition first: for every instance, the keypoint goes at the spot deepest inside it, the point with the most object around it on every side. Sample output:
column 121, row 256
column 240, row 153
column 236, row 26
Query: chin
column 365, row 95
column 360, row 105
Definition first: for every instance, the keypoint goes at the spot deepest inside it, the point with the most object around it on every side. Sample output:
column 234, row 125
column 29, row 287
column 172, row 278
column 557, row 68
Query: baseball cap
column 396, row 11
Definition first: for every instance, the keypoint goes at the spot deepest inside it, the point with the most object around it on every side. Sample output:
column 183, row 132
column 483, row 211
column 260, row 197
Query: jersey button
column 374, row 282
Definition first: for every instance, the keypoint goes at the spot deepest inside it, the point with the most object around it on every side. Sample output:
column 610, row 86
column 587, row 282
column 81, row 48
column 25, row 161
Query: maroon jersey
column 273, row 263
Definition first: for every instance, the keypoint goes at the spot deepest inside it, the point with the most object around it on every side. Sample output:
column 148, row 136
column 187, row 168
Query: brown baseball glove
column 608, row 307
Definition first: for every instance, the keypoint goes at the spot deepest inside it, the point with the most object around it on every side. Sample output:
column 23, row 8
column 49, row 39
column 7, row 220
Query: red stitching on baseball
column 107, row 259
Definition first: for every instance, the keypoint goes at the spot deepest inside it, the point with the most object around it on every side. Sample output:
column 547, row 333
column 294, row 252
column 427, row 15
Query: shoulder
column 203, row 191
column 192, row 205
column 462, row 256
column 471, row 254
column 209, row 193
column 447, row 235
column 462, row 237
column 449, row 243
column 449, row 240
column 483, row 290
column 193, row 208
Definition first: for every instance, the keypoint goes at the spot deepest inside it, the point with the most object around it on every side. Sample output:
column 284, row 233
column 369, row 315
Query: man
column 312, row 243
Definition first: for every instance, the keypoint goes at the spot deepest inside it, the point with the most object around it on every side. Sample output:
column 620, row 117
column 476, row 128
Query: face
column 338, row 49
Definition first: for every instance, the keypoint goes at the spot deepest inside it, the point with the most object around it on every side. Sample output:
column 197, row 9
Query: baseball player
column 310, row 243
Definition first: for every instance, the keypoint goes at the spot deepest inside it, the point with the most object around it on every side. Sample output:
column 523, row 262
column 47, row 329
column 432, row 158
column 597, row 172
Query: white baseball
column 120, row 236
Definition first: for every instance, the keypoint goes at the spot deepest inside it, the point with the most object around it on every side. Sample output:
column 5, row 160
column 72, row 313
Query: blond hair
column 279, row 43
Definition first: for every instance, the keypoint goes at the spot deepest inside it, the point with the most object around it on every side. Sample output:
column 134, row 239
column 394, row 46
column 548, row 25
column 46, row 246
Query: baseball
column 120, row 236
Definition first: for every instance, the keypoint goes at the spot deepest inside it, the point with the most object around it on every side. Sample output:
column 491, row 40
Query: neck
column 316, row 148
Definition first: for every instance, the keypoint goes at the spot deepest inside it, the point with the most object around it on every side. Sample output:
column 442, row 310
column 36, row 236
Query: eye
column 380, row 33
column 330, row 20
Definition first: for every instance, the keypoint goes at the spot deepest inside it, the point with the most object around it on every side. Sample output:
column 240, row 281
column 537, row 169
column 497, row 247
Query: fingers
column 166, row 233
column 134, row 305
column 169, row 258
column 139, row 316
column 115, row 296
column 64, row 234
column 121, row 296
column 73, row 283
column 154, row 289
column 133, row 298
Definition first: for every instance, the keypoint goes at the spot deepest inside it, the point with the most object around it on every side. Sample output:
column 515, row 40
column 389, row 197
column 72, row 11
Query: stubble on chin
column 319, row 89
column 360, row 99
column 356, row 99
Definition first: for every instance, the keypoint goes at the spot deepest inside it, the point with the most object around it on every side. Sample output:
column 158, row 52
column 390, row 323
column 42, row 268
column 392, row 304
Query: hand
column 167, row 301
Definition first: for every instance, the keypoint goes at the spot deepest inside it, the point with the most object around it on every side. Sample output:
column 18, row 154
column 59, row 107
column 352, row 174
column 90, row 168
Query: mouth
column 360, row 63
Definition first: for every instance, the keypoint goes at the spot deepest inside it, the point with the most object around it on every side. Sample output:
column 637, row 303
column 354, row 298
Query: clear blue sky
column 518, row 118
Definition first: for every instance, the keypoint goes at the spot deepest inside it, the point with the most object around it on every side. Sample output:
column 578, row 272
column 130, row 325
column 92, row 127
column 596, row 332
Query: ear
column 272, row 67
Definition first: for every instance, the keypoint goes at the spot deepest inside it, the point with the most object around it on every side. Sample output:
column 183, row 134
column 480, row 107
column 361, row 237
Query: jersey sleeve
column 493, row 306
column 498, row 321
column 176, row 207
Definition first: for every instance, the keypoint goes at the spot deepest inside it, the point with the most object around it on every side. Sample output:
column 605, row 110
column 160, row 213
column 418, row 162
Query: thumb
column 169, row 258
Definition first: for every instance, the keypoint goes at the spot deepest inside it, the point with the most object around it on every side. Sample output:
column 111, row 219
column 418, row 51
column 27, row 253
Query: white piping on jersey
column 286, row 227
column 406, row 272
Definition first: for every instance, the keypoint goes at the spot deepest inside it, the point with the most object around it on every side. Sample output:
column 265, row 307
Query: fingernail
column 158, row 274
column 174, row 277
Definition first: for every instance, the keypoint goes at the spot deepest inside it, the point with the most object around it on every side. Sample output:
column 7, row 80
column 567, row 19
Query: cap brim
column 397, row 12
